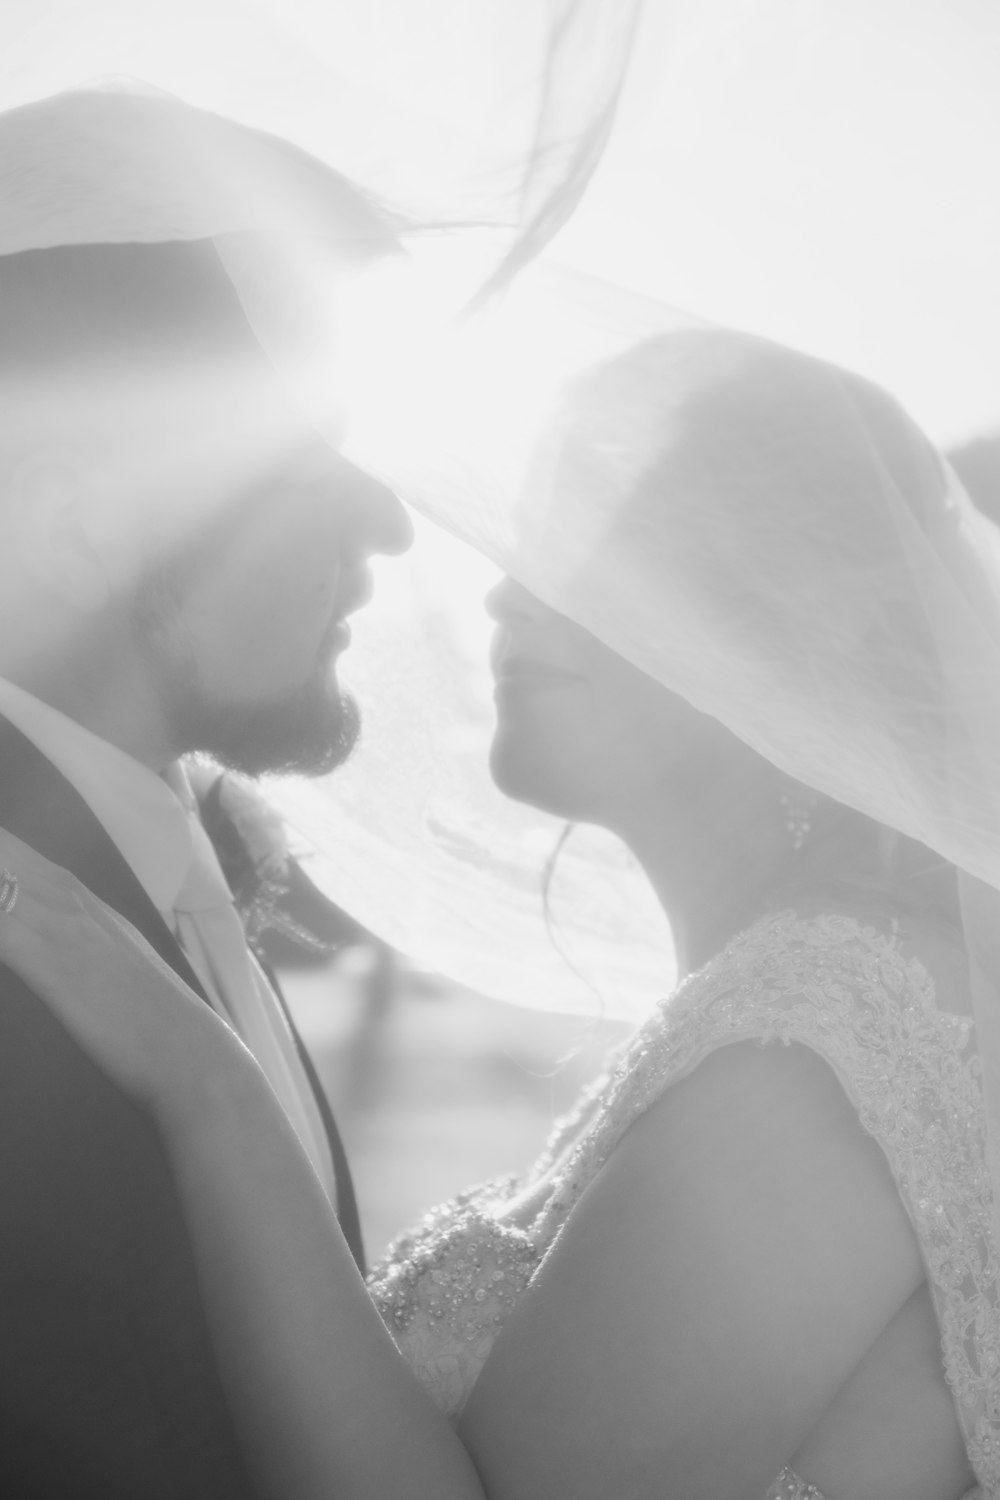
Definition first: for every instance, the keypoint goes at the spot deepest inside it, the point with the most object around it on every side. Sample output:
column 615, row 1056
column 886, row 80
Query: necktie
column 210, row 932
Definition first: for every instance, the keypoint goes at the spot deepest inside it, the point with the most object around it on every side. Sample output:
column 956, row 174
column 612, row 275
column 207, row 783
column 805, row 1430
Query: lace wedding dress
column 847, row 991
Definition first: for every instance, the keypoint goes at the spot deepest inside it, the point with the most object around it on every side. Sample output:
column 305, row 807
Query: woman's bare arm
column 711, row 1293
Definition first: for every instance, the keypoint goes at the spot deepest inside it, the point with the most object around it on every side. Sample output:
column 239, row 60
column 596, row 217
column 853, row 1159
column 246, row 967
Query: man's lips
column 336, row 639
column 355, row 589
column 339, row 634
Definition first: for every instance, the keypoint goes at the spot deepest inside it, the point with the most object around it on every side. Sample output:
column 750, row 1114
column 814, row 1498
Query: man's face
column 245, row 624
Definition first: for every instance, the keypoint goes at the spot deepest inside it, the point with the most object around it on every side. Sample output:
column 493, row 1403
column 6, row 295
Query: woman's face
column 580, row 732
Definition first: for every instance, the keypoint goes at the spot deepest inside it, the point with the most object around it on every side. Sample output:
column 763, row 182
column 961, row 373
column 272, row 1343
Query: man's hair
column 123, row 354
column 83, row 326
column 147, row 205
column 64, row 308
column 78, row 321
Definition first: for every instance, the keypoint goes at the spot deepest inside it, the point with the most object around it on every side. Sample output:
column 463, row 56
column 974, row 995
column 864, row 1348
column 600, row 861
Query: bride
column 759, row 1259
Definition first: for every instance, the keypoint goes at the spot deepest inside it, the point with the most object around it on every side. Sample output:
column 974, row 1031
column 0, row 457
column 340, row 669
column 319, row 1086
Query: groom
column 181, row 555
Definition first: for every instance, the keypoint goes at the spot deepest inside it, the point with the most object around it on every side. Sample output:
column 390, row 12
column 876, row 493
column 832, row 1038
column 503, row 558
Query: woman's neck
column 718, row 863
column 713, row 867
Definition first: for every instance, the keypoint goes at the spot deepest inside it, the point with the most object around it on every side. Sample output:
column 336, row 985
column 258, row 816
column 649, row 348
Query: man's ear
column 53, row 530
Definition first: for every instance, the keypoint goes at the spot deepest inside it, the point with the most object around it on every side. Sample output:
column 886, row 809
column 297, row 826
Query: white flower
column 258, row 825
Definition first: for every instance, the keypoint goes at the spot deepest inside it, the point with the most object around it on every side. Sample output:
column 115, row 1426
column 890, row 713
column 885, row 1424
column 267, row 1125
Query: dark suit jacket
column 109, row 1388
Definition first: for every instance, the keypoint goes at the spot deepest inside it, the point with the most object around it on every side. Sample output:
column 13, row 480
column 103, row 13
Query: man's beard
column 307, row 732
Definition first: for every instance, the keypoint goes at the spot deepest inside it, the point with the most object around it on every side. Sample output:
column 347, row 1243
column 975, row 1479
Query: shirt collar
column 141, row 814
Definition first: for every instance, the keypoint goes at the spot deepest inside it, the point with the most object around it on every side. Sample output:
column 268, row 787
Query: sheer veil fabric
column 473, row 129
column 849, row 634
column 487, row 121
column 768, row 536
column 478, row 115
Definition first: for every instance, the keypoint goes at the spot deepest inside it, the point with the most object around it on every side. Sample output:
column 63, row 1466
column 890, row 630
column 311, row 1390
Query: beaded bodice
column 848, row 992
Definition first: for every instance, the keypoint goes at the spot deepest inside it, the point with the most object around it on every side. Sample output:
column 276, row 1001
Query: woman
column 738, row 1261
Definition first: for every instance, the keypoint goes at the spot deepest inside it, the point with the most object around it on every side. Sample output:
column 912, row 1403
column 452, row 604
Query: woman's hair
column 736, row 471
column 769, row 516
column 847, row 853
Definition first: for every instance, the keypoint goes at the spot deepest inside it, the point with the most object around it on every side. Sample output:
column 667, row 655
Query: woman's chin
column 524, row 777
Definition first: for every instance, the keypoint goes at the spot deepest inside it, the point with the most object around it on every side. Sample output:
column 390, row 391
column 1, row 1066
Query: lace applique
column 445, row 1288
column 846, row 991
column 789, row 1486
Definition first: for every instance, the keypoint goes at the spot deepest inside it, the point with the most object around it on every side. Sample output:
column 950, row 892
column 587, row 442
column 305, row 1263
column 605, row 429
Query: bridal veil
column 816, row 578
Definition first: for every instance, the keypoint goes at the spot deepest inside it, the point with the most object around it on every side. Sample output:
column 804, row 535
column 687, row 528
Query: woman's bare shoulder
column 732, row 1261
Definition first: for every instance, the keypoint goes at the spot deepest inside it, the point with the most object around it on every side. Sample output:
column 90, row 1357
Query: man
column 181, row 552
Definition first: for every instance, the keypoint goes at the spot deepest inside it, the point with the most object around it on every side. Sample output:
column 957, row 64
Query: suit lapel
column 39, row 805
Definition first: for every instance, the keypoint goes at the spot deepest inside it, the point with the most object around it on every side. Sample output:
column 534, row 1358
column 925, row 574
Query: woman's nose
column 510, row 600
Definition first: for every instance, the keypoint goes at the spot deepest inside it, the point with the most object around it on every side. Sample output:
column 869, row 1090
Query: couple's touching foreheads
column 750, row 625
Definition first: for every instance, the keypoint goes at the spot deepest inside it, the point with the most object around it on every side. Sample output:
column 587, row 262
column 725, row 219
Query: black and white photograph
column 499, row 750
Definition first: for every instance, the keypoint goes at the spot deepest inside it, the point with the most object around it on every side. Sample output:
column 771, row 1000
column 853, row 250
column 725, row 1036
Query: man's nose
column 383, row 518
column 395, row 529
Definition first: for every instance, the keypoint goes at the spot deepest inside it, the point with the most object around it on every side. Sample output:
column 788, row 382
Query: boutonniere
column 251, row 844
